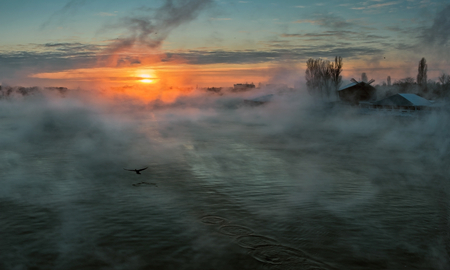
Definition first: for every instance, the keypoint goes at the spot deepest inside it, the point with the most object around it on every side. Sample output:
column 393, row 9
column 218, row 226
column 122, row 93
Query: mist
column 148, row 28
column 315, row 180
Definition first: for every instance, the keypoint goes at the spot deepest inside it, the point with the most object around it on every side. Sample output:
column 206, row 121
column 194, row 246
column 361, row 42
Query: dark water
column 328, row 194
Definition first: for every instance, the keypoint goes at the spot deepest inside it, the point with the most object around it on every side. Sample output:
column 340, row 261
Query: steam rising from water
column 354, row 191
column 152, row 27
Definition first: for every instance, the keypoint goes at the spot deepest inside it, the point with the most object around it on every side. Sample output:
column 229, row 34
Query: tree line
column 421, row 85
column 323, row 78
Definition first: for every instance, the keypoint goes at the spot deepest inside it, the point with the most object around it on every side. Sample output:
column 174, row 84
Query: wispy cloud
column 220, row 19
column 439, row 32
column 375, row 6
column 325, row 36
column 107, row 14
column 273, row 55
column 68, row 9
column 63, row 56
column 152, row 28
column 326, row 20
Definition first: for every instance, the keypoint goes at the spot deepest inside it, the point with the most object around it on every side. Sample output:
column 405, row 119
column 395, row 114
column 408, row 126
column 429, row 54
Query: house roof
column 363, row 85
column 347, row 86
column 416, row 100
column 404, row 100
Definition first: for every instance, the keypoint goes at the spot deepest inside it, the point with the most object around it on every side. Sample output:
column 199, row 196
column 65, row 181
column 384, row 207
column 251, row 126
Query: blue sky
column 378, row 36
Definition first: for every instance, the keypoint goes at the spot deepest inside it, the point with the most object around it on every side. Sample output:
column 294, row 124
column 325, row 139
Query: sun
column 146, row 78
column 146, row 81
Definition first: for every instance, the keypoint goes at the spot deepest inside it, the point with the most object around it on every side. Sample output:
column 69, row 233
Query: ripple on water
column 235, row 230
column 278, row 254
column 214, row 220
column 253, row 241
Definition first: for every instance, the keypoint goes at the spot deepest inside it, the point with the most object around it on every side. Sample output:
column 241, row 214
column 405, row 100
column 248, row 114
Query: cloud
column 275, row 55
column 107, row 14
column 327, row 20
column 439, row 32
column 337, row 36
column 322, row 34
column 432, row 42
column 65, row 56
column 152, row 27
column 220, row 19
column 48, row 57
column 375, row 6
column 68, row 9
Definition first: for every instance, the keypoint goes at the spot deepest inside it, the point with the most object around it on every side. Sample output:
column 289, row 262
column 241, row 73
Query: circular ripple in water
column 253, row 241
column 277, row 254
column 235, row 230
column 213, row 220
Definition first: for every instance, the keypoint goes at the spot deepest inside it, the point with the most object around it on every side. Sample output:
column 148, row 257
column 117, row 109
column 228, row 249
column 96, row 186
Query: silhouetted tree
column 444, row 81
column 404, row 85
column 422, row 74
column 389, row 80
column 321, row 76
column 336, row 71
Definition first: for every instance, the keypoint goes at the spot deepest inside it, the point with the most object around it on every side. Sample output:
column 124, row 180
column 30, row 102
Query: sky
column 177, row 43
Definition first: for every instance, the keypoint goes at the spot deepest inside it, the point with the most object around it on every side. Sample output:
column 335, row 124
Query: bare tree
column 322, row 76
column 364, row 77
column 405, row 85
column 422, row 74
column 313, row 74
column 444, row 80
column 336, row 71
column 389, row 80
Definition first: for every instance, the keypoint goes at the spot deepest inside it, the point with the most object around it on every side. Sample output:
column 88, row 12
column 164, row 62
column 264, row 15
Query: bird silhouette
column 138, row 171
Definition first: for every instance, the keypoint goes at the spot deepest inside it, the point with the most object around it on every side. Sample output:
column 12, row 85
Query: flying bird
column 136, row 170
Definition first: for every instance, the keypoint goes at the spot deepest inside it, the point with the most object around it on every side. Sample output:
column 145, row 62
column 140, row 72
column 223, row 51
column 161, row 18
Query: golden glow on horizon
column 146, row 81
column 146, row 78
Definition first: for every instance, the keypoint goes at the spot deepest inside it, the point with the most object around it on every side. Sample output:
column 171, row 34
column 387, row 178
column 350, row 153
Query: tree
column 364, row 77
column 405, row 85
column 444, row 81
column 336, row 71
column 422, row 74
column 322, row 75
column 389, row 80
column 312, row 74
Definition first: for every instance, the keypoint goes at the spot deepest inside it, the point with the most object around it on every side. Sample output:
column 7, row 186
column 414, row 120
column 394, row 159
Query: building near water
column 403, row 102
column 355, row 92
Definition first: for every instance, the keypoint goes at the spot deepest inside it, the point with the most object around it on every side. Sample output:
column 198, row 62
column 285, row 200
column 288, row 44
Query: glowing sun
column 146, row 78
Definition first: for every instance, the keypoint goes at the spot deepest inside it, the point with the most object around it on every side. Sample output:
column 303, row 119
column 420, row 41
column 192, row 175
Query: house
column 356, row 92
column 403, row 102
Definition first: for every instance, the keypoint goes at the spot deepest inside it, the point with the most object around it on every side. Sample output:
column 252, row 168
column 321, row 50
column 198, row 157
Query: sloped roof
column 404, row 100
column 362, row 85
column 416, row 100
column 347, row 86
